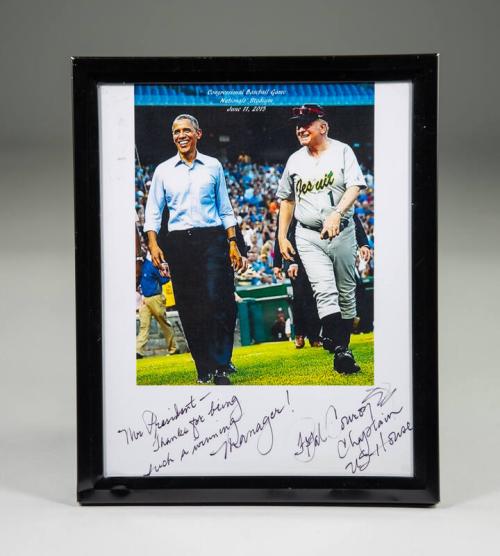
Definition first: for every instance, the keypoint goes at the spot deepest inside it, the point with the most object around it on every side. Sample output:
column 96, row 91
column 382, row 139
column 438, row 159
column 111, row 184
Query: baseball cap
column 307, row 113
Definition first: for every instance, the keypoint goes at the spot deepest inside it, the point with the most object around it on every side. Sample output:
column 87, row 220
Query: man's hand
column 365, row 253
column 293, row 270
column 157, row 255
column 235, row 256
column 331, row 226
column 278, row 273
column 286, row 248
column 285, row 218
column 244, row 265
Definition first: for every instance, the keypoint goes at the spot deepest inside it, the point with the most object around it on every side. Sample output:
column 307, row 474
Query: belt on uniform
column 343, row 224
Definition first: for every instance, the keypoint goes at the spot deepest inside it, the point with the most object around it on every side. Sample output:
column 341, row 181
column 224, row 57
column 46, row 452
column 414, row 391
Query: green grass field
column 272, row 364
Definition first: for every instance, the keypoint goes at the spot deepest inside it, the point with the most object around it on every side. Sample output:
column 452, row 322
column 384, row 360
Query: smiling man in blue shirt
column 200, row 248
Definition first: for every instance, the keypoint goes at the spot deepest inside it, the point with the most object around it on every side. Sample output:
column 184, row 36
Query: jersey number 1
column 332, row 200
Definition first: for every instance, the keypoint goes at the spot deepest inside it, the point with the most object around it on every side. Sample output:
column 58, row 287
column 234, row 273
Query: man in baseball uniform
column 319, row 185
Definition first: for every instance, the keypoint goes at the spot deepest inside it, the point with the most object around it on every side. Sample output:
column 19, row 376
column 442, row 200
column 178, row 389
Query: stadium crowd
column 252, row 191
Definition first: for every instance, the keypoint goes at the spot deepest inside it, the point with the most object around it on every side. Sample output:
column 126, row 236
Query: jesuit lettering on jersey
column 302, row 187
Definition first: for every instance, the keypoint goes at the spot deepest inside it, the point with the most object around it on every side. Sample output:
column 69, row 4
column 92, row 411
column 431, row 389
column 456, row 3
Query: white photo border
column 125, row 402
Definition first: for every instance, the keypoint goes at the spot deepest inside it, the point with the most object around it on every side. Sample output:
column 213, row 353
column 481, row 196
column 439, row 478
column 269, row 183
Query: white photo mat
column 259, row 430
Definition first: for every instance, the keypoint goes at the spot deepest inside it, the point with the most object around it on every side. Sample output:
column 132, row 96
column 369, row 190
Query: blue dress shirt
column 196, row 195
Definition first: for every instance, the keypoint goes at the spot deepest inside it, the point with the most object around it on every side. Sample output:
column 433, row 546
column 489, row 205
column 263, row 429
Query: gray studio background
column 38, row 514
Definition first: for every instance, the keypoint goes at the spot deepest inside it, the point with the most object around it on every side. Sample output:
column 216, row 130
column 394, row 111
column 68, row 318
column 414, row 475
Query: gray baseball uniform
column 317, row 184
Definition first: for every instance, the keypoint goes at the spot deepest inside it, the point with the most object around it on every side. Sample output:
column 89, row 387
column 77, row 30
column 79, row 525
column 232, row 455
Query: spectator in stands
column 254, row 268
column 266, row 271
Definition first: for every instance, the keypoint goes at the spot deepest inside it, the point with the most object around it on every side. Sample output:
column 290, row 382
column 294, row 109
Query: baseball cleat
column 299, row 342
column 343, row 361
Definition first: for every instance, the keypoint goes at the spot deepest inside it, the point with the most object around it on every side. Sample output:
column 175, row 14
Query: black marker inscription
column 217, row 425
column 208, row 425
column 154, row 423
column 130, row 434
column 166, row 462
column 357, row 436
column 236, row 439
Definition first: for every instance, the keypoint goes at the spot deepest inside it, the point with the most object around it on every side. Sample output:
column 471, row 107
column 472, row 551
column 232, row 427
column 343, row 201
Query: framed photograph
column 256, row 280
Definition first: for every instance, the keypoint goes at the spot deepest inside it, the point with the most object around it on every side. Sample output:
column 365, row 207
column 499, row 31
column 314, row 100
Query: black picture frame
column 93, row 487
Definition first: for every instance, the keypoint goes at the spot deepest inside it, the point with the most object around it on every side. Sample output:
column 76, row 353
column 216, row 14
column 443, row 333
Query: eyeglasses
column 307, row 111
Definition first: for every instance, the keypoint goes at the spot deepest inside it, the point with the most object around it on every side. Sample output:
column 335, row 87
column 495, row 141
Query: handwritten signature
column 358, row 436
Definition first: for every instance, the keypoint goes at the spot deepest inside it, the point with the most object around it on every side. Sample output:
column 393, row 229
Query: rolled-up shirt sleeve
column 154, row 205
column 224, row 207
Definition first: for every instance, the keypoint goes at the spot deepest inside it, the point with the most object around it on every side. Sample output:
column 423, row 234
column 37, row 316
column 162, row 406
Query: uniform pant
column 154, row 306
column 330, row 268
column 203, row 283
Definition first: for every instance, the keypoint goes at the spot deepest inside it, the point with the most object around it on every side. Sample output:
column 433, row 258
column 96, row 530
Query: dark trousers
column 203, row 283
column 305, row 312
